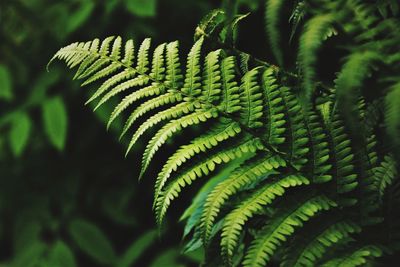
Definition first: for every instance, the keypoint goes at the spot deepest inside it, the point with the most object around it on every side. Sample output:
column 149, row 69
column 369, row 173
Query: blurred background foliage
column 67, row 196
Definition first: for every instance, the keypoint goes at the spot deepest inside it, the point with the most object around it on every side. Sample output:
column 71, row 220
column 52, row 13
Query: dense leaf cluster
column 317, row 173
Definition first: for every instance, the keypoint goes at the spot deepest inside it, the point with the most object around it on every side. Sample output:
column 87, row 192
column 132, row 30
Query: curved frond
column 221, row 132
column 255, row 203
column 359, row 257
column 281, row 227
column 202, row 168
column 307, row 250
column 241, row 178
column 272, row 18
column 311, row 41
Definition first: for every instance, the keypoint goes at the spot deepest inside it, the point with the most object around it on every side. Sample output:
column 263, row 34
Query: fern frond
column 384, row 175
column 272, row 19
column 297, row 137
column 110, row 82
column 149, row 105
column 192, row 84
column 275, row 129
column 255, row 203
column 283, row 225
column 138, row 81
column 173, row 112
column 212, row 78
column 319, row 164
column 230, row 90
column 221, row 132
column 349, row 83
column 158, row 68
column 392, row 117
column 88, row 60
column 242, row 177
column 359, row 257
column 251, row 100
column 309, row 248
column 202, row 168
column 169, row 129
column 143, row 56
column 310, row 42
column 341, row 156
column 254, row 116
column 132, row 98
column 173, row 73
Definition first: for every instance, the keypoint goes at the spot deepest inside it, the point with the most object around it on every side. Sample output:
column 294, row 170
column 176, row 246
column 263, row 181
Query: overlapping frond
column 293, row 140
column 308, row 249
column 281, row 226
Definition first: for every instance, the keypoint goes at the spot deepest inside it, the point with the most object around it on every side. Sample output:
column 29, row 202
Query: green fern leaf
column 392, row 119
column 272, row 18
column 310, row 42
column 169, row 129
column 202, row 168
column 247, row 175
column 359, row 257
column 308, row 249
column 221, row 132
column 281, row 227
column 235, row 220
column 173, row 112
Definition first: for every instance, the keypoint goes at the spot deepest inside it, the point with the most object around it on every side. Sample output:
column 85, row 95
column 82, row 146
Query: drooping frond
column 314, row 34
column 237, row 181
column 255, row 203
column 281, row 227
column 359, row 257
column 272, row 18
column 384, row 175
column 392, row 120
column 297, row 158
column 307, row 249
column 201, row 169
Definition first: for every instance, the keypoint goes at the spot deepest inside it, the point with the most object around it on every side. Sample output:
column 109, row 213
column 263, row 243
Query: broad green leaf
column 61, row 256
column 142, row 8
column 92, row 241
column 137, row 248
column 19, row 133
column 5, row 84
column 55, row 121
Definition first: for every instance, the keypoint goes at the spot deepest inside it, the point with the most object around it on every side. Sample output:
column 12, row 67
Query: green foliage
column 142, row 8
column 90, row 239
column 55, row 121
column 311, row 191
column 19, row 133
column 5, row 84
column 136, row 249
